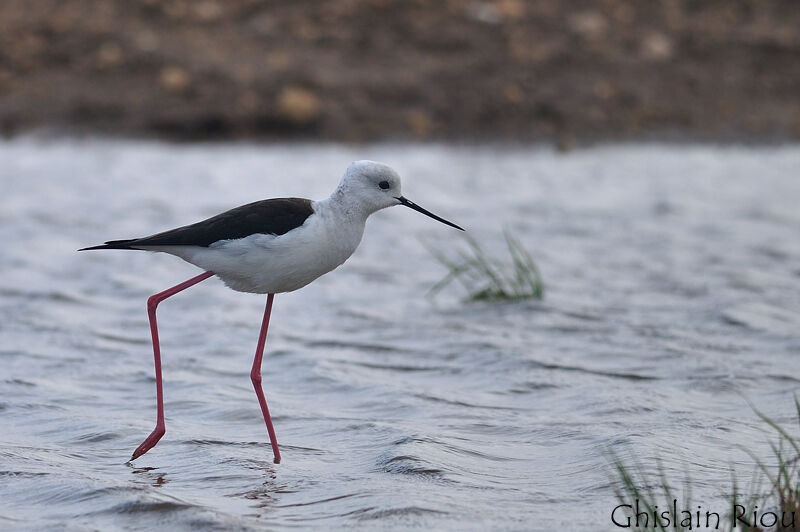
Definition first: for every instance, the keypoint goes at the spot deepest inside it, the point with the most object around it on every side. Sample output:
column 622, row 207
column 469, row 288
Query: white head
column 369, row 186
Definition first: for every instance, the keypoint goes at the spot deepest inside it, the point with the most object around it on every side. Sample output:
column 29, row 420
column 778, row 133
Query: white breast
column 272, row 264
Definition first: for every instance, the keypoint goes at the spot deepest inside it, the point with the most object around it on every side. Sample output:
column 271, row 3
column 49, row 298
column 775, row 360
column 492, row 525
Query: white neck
column 344, row 202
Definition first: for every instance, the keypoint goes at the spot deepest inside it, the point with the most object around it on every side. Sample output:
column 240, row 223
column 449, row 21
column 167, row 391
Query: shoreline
column 376, row 70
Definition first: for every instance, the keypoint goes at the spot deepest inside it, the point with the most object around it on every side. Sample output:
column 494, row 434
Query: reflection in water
column 267, row 494
column 151, row 475
column 671, row 300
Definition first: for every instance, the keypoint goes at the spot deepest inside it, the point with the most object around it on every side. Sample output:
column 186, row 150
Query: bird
column 268, row 247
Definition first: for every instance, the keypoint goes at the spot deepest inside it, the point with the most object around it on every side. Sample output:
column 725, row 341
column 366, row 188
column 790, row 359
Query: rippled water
column 673, row 299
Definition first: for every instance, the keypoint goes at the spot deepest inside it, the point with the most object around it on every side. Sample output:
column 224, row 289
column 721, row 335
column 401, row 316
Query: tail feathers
column 114, row 244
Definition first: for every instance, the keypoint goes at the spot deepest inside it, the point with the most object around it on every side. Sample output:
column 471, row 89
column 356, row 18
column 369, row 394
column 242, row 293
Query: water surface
column 672, row 300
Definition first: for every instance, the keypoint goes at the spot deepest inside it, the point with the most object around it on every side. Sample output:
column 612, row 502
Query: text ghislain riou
column 632, row 516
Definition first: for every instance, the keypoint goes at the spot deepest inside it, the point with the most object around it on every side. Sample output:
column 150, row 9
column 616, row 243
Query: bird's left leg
column 152, row 304
column 255, row 376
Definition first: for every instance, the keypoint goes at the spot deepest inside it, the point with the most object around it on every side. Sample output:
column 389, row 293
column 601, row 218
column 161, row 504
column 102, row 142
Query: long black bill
column 411, row 204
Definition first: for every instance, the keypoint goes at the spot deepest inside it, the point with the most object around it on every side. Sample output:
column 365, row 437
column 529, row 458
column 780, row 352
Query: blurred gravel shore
column 400, row 69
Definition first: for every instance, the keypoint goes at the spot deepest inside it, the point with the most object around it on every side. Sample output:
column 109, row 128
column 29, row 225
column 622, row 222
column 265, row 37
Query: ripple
column 528, row 387
column 318, row 501
column 588, row 371
column 407, row 511
column 764, row 317
column 409, row 465
column 335, row 344
column 116, row 337
column 402, row 368
column 452, row 448
column 97, row 437
column 144, row 506
column 51, row 297
column 20, row 382
column 22, row 474
column 207, row 442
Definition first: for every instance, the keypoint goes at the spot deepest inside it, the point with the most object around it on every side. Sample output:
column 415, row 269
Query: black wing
column 272, row 217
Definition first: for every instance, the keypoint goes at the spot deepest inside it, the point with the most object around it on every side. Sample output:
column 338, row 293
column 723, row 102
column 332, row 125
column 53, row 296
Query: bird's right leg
column 255, row 376
column 152, row 304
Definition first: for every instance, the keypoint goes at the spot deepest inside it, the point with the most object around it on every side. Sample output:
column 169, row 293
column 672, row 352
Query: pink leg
column 152, row 303
column 255, row 376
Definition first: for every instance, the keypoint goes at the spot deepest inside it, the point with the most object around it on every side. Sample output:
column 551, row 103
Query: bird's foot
column 149, row 442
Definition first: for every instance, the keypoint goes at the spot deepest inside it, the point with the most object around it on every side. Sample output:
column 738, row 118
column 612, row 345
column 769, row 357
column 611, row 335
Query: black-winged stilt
column 268, row 247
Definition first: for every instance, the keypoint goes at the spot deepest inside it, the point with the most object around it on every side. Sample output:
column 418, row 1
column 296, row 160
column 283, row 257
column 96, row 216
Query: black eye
column 384, row 185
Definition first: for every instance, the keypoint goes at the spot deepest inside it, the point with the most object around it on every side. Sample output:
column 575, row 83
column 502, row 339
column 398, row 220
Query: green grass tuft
column 486, row 279
column 781, row 496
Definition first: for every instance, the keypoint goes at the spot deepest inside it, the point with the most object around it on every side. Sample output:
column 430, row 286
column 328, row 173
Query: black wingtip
column 113, row 244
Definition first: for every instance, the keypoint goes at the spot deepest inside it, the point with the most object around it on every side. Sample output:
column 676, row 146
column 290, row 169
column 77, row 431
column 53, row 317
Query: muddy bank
column 375, row 69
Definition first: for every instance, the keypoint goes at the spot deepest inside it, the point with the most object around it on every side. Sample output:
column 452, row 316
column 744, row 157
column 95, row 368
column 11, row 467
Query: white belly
column 265, row 264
